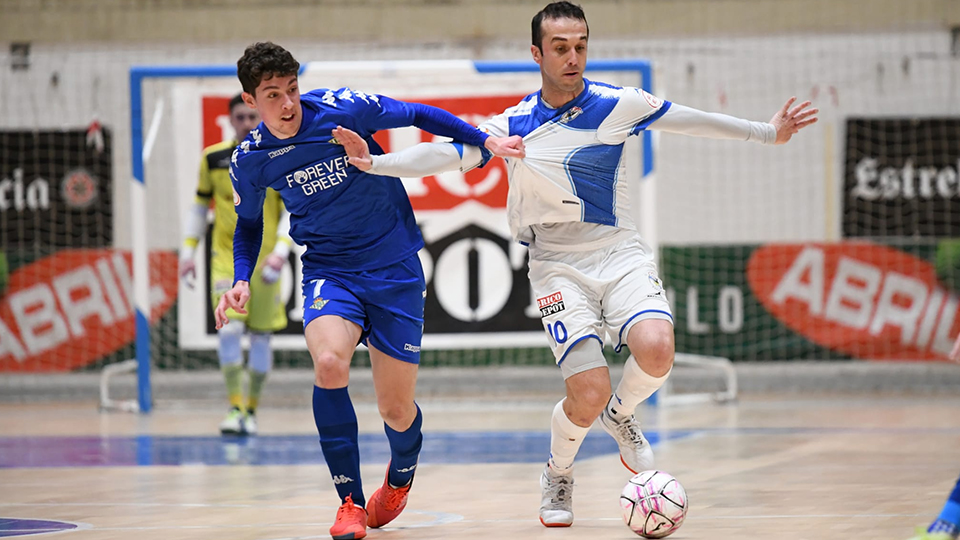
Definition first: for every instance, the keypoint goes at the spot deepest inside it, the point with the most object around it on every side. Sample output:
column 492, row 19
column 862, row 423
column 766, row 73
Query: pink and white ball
column 654, row 504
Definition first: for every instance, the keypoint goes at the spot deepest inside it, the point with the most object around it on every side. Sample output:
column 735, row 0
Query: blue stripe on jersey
column 593, row 171
column 643, row 124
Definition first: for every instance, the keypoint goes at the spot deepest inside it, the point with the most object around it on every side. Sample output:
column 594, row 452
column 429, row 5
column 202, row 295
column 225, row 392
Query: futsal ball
column 653, row 504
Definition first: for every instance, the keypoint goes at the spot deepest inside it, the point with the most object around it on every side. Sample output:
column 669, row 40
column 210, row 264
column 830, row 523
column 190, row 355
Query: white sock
column 635, row 386
column 565, row 440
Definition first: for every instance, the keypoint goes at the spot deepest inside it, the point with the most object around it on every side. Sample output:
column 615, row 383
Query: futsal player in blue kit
column 947, row 524
column 362, row 279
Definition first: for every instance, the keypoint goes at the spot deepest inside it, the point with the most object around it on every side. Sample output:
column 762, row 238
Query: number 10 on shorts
column 558, row 332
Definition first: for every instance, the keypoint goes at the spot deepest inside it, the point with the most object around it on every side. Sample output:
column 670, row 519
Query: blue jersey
column 347, row 219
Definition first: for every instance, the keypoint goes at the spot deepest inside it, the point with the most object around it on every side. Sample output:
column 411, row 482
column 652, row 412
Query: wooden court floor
column 823, row 467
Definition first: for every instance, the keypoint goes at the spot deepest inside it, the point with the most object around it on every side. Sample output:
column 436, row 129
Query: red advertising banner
column 865, row 300
column 72, row 308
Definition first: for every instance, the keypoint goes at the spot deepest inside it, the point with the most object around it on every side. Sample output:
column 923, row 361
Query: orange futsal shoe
column 351, row 522
column 386, row 503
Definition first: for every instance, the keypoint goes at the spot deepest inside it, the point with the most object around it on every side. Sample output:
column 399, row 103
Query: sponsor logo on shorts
column 411, row 348
column 550, row 304
column 319, row 303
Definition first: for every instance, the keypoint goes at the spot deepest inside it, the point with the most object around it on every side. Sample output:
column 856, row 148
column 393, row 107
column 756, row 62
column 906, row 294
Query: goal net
column 841, row 245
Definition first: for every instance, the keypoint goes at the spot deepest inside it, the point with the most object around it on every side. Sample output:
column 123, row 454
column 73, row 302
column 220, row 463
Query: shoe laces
column 629, row 430
column 395, row 496
column 347, row 509
column 559, row 491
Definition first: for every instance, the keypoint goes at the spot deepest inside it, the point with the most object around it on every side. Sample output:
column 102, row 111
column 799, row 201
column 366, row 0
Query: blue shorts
column 387, row 304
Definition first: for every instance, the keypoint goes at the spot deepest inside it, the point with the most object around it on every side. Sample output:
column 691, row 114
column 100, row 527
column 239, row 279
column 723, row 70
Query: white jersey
column 574, row 170
column 569, row 192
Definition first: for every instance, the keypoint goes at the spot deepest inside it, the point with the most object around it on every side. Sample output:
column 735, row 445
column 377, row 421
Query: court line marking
column 79, row 526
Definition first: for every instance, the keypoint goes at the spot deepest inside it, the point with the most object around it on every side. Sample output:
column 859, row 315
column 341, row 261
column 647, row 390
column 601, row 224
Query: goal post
column 463, row 321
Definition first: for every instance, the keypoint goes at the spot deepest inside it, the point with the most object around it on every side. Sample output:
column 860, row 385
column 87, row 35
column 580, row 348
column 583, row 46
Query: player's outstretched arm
column 236, row 298
column 789, row 121
column 423, row 159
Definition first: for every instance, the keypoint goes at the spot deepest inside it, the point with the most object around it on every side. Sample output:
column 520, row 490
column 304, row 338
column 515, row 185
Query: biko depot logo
column 859, row 298
column 72, row 308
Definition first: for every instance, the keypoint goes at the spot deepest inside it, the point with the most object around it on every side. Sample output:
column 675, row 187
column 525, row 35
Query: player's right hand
column 507, row 147
column 188, row 272
column 233, row 299
column 357, row 149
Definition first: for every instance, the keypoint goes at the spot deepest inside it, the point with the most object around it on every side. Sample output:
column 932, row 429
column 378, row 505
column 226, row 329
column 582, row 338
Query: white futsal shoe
column 232, row 424
column 635, row 452
column 250, row 423
column 556, row 508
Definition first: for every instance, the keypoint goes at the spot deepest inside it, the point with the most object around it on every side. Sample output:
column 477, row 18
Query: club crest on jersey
column 571, row 114
column 551, row 304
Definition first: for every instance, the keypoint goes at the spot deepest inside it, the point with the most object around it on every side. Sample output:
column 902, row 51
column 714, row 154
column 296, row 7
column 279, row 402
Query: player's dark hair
column 262, row 61
column 555, row 10
column 234, row 101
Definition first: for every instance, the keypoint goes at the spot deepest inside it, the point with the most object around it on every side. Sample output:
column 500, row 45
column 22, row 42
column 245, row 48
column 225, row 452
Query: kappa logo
column 233, row 158
column 256, row 137
column 280, row 152
column 571, row 114
column 551, row 304
column 236, row 197
column 407, row 469
column 341, row 479
column 245, row 146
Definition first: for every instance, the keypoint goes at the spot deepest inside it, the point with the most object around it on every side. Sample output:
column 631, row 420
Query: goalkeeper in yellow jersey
column 265, row 311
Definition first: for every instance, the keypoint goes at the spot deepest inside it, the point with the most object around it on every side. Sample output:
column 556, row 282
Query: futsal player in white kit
column 594, row 278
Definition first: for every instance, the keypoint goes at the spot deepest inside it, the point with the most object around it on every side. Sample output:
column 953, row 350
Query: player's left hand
column 357, row 149
column 271, row 268
column 507, row 147
column 955, row 353
column 789, row 121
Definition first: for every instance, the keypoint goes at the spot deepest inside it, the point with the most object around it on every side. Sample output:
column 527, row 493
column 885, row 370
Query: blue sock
column 337, row 425
column 404, row 451
column 949, row 519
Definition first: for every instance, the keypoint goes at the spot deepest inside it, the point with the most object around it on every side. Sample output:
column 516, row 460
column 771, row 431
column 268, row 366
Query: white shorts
column 597, row 294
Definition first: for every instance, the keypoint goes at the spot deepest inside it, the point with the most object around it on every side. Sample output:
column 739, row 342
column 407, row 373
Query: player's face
column 564, row 54
column 277, row 99
column 243, row 119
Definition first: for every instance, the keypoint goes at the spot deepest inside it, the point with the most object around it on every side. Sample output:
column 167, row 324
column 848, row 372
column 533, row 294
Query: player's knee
column 396, row 414
column 229, row 349
column 656, row 353
column 330, row 370
column 587, row 400
column 261, row 355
